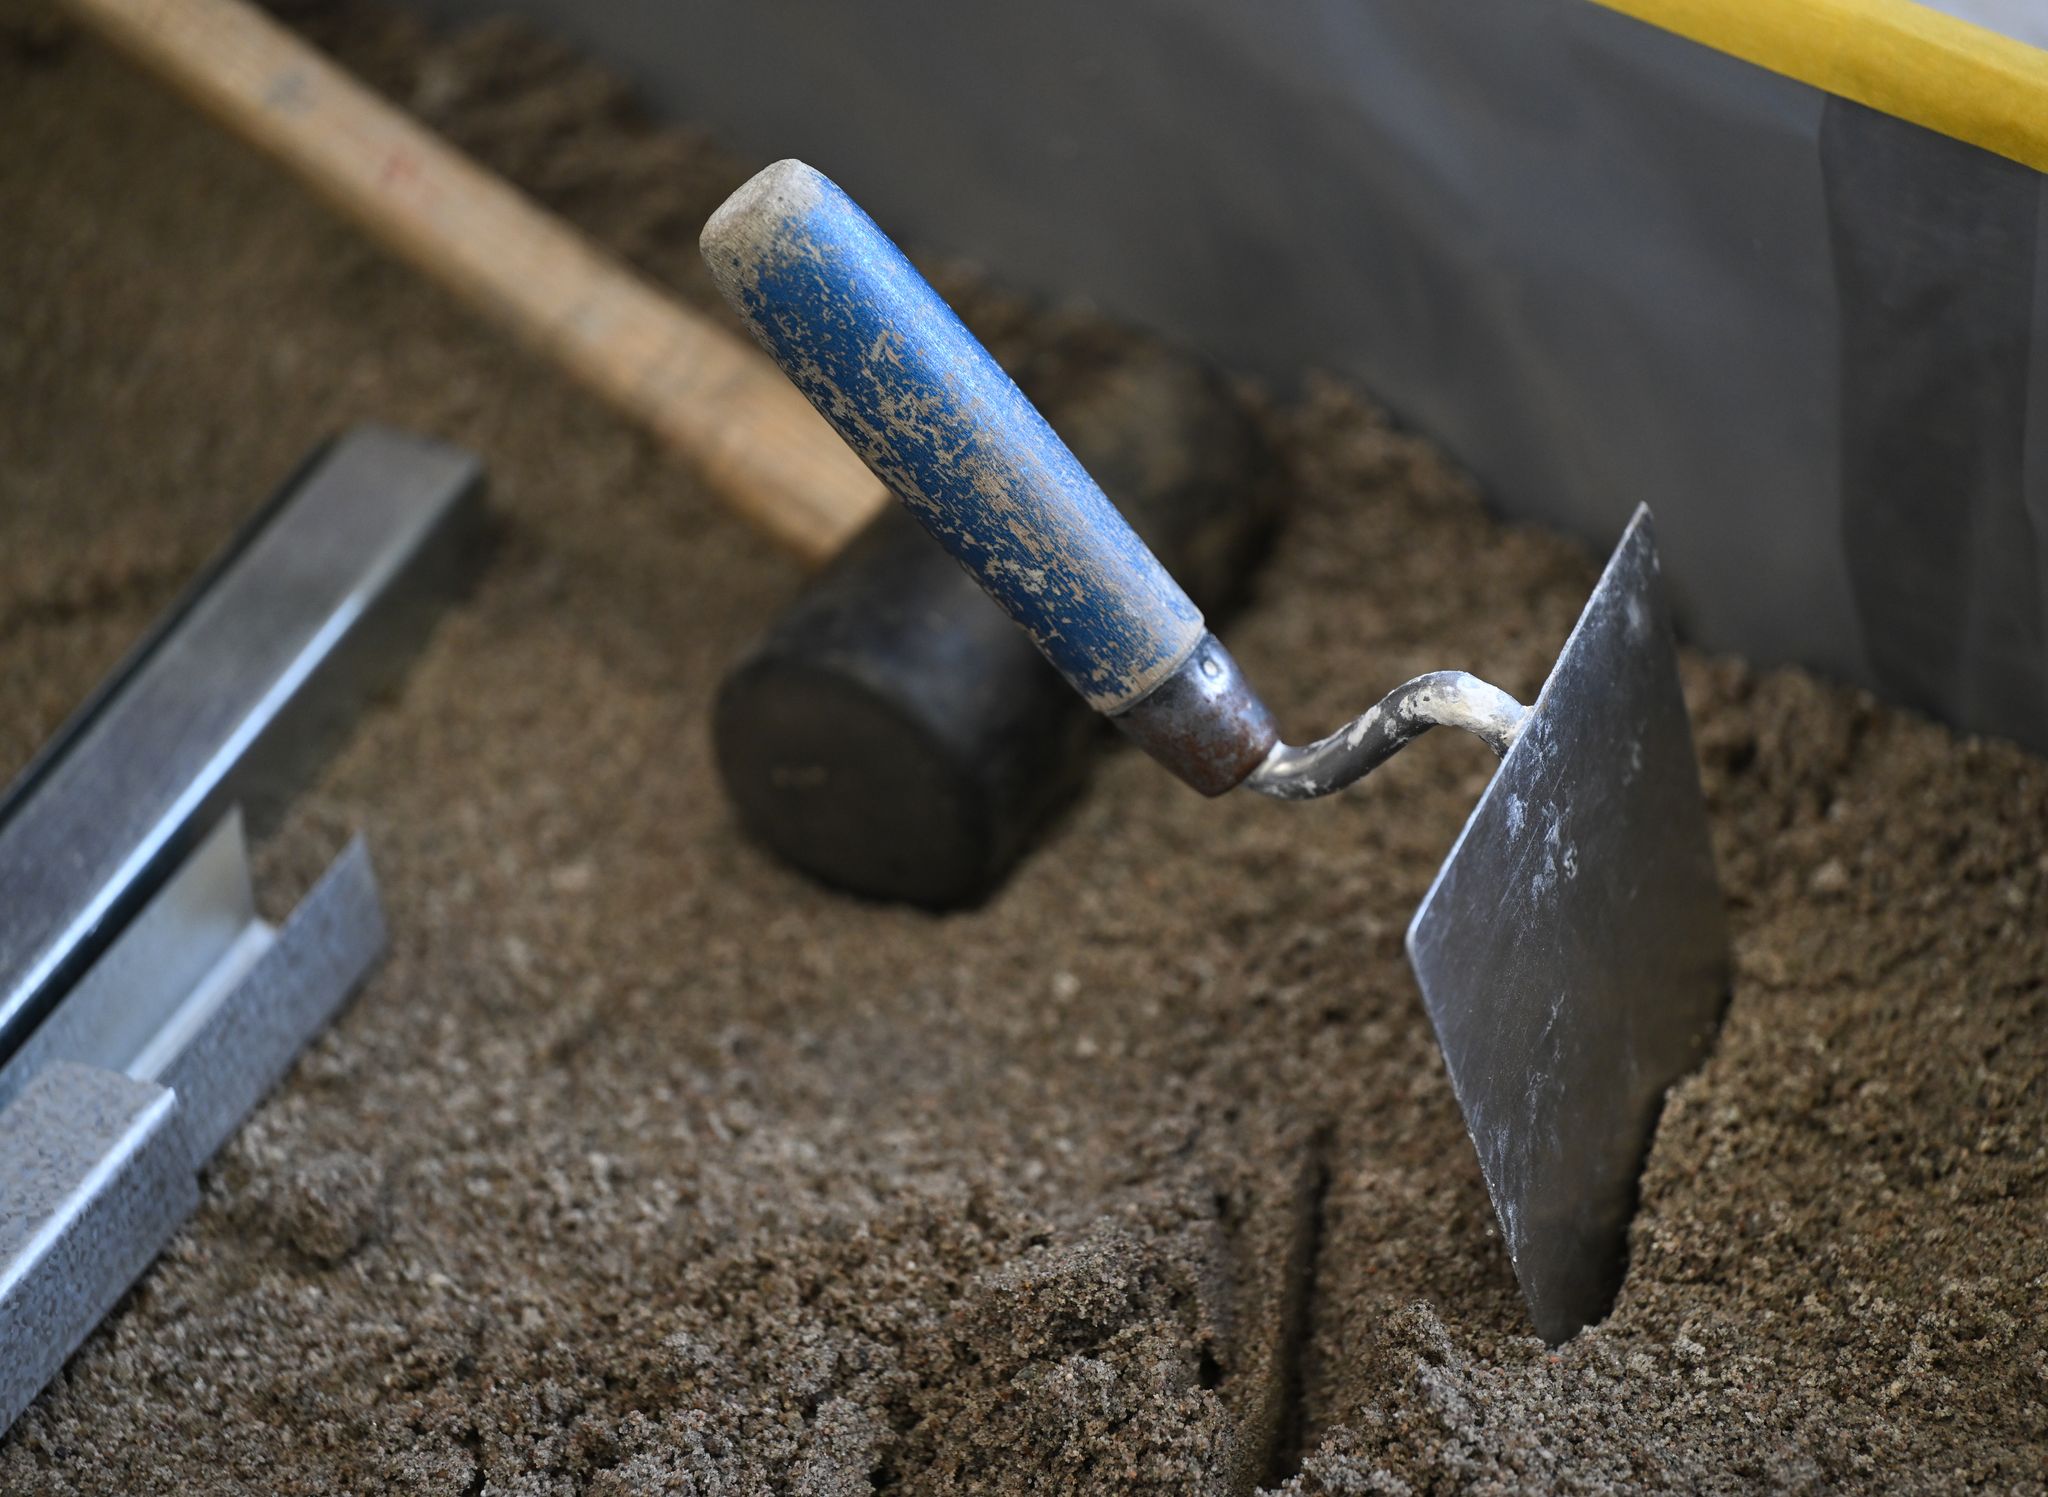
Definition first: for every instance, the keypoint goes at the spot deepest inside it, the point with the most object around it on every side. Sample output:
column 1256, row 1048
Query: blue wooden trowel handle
column 885, row 360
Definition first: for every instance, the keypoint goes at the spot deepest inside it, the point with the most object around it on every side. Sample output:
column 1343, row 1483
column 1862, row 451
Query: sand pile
column 645, row 1166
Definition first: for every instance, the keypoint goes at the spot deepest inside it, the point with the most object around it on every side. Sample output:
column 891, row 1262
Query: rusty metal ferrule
column 1204, row 722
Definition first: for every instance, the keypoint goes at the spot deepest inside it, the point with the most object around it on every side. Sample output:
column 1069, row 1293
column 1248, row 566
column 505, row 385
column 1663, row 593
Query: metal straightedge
column 145, row 1007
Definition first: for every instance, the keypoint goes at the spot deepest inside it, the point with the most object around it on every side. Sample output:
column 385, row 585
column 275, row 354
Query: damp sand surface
column 643, row 1165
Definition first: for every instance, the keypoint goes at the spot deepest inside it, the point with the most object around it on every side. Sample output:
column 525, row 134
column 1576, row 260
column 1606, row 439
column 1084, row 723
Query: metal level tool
column 1572, row 952
column 145, row 1007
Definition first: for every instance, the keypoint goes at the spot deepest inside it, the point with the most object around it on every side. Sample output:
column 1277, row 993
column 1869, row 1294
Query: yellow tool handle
column 707, row 394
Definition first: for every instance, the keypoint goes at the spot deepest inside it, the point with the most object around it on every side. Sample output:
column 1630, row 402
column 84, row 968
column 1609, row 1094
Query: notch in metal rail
column 144, row 1006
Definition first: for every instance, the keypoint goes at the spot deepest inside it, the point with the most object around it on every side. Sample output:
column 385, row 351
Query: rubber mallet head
column 894, row 735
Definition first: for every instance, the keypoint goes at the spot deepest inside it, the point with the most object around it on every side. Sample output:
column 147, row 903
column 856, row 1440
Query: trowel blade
column 1572, row 952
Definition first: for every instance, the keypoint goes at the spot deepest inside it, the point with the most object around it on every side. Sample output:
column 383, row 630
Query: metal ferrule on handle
column 884, row 359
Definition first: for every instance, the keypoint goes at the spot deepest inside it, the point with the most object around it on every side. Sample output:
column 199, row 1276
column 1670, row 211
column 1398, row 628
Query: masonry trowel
column 1572, row 952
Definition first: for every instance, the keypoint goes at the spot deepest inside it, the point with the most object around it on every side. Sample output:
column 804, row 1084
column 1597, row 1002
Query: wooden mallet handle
column 709, row 396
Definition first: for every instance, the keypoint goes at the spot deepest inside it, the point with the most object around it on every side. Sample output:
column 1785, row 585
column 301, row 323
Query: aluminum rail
column 147, row 1006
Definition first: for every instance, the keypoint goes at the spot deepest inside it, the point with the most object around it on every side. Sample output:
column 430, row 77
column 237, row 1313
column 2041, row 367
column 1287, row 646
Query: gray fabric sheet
column 1935, row 263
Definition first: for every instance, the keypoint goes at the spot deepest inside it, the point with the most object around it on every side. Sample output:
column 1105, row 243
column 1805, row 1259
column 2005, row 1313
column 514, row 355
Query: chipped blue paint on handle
column 877, row 351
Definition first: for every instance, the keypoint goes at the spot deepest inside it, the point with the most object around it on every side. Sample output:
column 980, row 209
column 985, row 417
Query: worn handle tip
column 753, row 219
